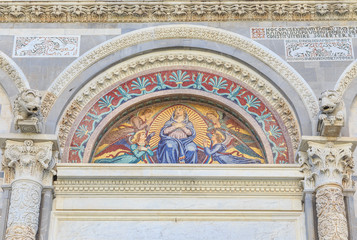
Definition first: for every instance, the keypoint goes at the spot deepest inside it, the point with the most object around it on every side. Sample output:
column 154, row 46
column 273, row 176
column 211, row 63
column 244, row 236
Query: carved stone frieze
column 27, row 111
column 27, row 160
column 174, row 186
column 331, row 214
column 48, row 97
column 180, row 58
column 189, row 32
column 332, row 114
column 327, row 163
column 13, row 71
column 163, row 11
column 346, row 78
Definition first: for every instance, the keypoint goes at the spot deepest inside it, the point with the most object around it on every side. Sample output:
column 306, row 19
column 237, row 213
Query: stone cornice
column 176, row 179
column 172, row 11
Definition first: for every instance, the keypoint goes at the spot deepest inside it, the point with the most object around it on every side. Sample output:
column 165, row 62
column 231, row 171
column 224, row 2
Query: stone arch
column 346, row 78
column 162, row 60
column 181, row 32
column 5, row 112
column 14, row 72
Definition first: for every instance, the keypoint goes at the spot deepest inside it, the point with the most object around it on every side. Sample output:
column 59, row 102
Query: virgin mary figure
column 176, row 140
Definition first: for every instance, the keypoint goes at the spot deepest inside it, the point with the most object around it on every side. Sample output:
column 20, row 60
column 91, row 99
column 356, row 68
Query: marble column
column 328, row 168
column 26, row 163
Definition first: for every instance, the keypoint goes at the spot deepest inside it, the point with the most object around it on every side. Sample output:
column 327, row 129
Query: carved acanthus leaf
column 28, row 159
column 327, row 164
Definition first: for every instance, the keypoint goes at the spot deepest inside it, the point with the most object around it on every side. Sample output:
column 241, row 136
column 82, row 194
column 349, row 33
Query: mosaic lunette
column 179, row 133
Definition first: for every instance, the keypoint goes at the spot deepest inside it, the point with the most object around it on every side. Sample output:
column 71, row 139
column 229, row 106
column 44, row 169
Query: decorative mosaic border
column 209, row 61
column 90, row 11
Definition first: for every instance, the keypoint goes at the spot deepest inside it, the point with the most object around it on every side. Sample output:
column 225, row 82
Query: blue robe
column 134, row 156
column 216, row 152
column 173, row 150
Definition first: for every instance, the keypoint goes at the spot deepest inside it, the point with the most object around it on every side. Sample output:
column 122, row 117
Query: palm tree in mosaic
column 251, row 101
column 82, row 131
column 141, row 84
column 106, row 102
column 274, row 131
column 179, row 78
column 217, row 84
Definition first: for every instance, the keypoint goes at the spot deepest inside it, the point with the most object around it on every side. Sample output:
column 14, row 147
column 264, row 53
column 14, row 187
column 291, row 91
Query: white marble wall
column 98, row 201
column 171, row 230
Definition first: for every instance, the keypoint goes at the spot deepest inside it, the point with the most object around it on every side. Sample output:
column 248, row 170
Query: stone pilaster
column 25, row 165
column 328, row 168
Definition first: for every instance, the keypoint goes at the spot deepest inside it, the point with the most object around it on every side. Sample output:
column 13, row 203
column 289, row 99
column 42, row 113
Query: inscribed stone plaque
column 261, row 33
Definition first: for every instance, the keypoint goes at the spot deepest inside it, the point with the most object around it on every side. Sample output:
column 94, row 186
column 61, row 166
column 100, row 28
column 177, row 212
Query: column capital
column 327, row 161
column 29, row 159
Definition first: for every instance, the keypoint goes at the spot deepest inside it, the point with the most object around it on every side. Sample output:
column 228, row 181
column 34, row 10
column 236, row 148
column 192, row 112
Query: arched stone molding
column 181, row 32
column 346, row 78
column 5, row 112
column 189, row 58
column 14, row 72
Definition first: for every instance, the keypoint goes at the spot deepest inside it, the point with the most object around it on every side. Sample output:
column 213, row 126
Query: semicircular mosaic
column 179, row 133
column 133, row 140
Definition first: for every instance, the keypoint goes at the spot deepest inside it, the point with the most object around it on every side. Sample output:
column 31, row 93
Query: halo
column 163, row 116
column 213, row 113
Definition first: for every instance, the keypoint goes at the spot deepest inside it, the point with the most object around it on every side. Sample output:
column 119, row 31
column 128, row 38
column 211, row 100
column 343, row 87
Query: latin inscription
column 261, row 33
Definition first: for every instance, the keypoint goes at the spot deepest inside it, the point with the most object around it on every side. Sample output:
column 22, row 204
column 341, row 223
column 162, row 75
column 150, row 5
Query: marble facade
column 269, row 78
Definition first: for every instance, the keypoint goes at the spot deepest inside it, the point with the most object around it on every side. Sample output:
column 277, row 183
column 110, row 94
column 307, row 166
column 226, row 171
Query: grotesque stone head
column 30, row 100
column 27, row 111
column 329, row 100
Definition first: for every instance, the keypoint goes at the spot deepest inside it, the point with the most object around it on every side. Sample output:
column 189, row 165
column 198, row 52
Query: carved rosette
column 330, row 208
column 26, row 164
column 328, row 169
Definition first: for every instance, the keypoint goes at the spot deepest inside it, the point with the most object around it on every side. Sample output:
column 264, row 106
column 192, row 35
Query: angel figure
column 139, row 150
column 217, row 122
column 220, row 143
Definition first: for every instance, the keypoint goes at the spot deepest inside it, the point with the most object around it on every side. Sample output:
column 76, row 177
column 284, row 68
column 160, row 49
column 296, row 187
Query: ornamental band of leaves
column 171, row 11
